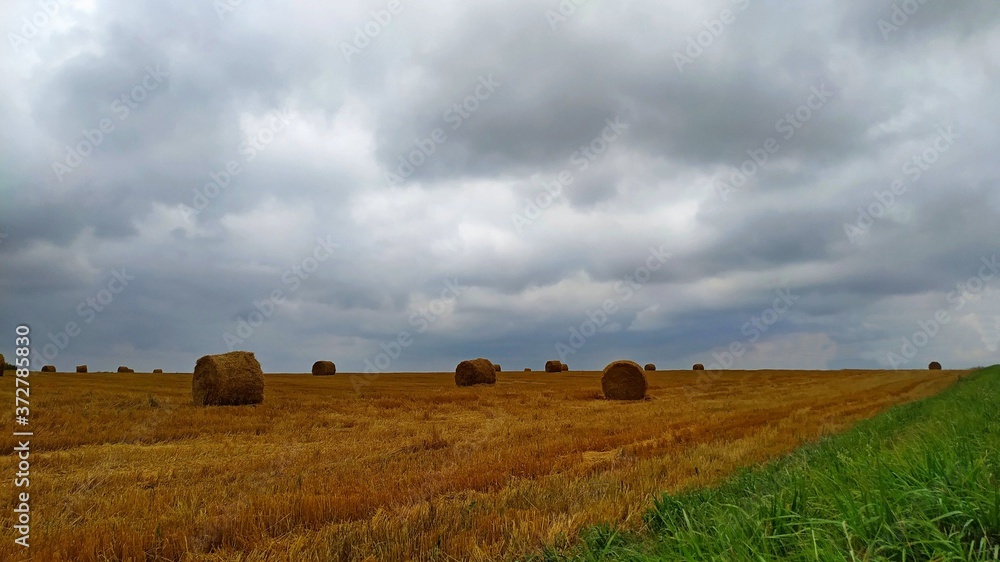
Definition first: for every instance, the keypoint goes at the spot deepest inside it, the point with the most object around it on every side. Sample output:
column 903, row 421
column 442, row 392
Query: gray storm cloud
column 458, row 168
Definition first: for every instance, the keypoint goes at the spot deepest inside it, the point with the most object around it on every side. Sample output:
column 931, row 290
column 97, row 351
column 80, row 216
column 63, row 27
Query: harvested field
column 412, row 467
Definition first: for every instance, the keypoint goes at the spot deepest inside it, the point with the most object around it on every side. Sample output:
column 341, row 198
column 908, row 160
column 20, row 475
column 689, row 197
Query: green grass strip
column 918, row 482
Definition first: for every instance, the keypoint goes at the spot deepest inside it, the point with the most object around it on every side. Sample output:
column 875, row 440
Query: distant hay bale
column 496, row 367
column 475, row 371
column 81, row 368
column 650, row 367
column 322, row 368
column 553, row 367
column 934, row 366
column 564, row 366
column 624, row 380
column 157, row 371
column 228, row 379
column 49, row 369
column 527, row 369
column 124, row 369
column 699, row 367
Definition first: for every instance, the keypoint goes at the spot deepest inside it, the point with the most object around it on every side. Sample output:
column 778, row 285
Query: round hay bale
column 624, row 380
column 323, row 368
column 699, row 367
column 228, row 379
column 49, row 369
column 475, row 371
column 553, row 367
column 81, row 368
column 496, row 367
column 527, row 369
column 564, row 367
column 934, row 366
column 124, row 369
column 157, row 371
column 650, row 367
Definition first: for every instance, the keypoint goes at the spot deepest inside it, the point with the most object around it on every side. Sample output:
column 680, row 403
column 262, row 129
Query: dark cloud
column 359, row 259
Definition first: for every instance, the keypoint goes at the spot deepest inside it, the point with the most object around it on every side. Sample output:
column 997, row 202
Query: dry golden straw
column 322, row 368
column 229, row 379
column 475, row 371
column 624, row 380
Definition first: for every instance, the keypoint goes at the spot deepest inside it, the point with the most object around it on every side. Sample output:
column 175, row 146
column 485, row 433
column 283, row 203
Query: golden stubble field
column 124, row 467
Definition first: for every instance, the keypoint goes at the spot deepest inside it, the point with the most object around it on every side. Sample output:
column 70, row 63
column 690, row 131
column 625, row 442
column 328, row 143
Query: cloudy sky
column 400, row 186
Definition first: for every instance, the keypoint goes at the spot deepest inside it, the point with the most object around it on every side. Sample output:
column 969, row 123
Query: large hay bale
column 323, row 368
column 934, row 366
column 699, row 367
column 650, row 367
column 3, row 364
column 624, row 380
column 81, row 368
column 475, row 371
column 564, row 367
column 49, row 369
column 228, row 379
column 124, row 369
column 553, row 367
column 157, row 371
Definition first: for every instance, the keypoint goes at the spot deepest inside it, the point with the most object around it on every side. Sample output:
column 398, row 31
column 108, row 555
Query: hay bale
column 564, row 366
column 527, row 369
column 3, row 364
column 49, row 369
column 650, row 367
column 124, row 369
column 157, row 371
column 323, row 368
column 475, row 371
column 228, row 379
column 699, row 367
column 81, row 368
column 553, row 367
column 934, row 366
column 624, row 380
column 496, row 367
